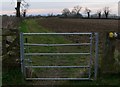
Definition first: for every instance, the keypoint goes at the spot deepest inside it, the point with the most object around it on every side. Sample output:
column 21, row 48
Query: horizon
column 45, row 8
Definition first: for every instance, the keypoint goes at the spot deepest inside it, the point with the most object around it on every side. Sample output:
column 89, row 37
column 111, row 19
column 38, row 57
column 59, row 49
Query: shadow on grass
column 13, row 77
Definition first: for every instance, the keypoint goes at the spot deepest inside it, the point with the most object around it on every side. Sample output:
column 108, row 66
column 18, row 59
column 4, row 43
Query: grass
column 13, row 77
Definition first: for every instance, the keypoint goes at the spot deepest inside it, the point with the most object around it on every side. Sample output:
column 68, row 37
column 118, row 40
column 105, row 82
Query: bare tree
column 106, row 11
column 76, row 10
column 24, row 7
column 87, row 10
column 65, row 12
column 99, row 13
column 21, row 4
column 24, row 12
column 18, row 8
column 73, row 12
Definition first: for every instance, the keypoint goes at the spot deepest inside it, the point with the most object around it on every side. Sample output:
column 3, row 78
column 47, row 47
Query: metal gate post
column 96, row 55
column 22, row 53
column 90, row 59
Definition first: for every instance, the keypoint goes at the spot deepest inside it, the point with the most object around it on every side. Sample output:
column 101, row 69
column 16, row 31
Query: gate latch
column 114, row 35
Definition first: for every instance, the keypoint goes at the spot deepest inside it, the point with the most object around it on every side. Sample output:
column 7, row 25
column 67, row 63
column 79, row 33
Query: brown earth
column 79, row 25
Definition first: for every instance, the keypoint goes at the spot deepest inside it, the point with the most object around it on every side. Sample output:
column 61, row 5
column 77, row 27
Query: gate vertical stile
column 22, row 54
column 96, row 55
column 90, row 59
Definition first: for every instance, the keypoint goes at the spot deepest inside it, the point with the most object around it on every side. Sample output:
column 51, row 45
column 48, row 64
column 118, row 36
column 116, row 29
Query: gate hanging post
column 96, row 56
column 22, row 53
column 108, row 66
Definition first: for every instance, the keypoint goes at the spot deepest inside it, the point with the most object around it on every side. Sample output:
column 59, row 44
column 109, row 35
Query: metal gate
column 93, row 55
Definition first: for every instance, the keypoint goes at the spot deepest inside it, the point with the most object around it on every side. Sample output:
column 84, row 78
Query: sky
column 56, row 6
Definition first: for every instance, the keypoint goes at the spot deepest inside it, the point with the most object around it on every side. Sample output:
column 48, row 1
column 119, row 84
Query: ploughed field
column 79, row 25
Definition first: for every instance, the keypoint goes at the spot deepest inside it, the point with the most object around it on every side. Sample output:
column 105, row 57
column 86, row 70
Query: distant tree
column 87, row 10
column 106, row 11
column 99, row 13
column 65, row 12
column 73, row 12
column 50, row 15
column 76, row 10
column 24, row 13
column 24, row 7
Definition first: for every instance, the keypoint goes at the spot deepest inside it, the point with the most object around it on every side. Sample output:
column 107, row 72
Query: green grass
column 31, row 26
column 23, row 27
column 13, row 77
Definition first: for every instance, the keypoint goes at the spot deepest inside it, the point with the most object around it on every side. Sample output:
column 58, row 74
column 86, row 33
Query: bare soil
column 79, row 25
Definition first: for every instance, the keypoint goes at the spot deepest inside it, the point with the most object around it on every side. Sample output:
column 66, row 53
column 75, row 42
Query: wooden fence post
column 107, row 62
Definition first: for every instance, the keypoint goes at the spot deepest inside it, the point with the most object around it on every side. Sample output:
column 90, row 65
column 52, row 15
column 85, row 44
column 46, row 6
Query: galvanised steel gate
column 93, row 54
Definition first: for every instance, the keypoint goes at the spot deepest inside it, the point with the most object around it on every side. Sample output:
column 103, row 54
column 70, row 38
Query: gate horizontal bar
column 57, row 33
column 58, row 79
column 35, row 54
column 57, row 66
column 27, row 44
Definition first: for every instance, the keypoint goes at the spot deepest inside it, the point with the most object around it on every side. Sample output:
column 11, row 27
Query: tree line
column 77, row 9
column 65, row 12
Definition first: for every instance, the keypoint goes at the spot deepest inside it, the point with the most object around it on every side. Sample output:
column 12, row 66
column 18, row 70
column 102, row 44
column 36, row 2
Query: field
column 72, row 25
column 79, row 25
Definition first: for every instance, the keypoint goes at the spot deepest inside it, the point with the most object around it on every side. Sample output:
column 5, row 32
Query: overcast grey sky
column 56, row 6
